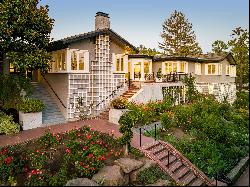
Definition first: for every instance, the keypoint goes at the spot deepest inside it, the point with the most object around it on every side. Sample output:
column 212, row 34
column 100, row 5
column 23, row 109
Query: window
column 182, row 67
column 174, row 67
column 81, row 61
column 58, row 62
column 220, row 69
column 119, row 63
column 232, row 71
column 228, row 70
column 146, row 67
column 197, row 68
column 211, row 69
column 73, row 60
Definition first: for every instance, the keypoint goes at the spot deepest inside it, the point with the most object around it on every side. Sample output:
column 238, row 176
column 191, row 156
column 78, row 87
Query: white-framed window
column 232, row 71
column 227, row 69
column 211, row 69
column 119, row 63
column 219, row 69
column 197, row 68
column 174, row 67
column 58, row 62
column 79, row 60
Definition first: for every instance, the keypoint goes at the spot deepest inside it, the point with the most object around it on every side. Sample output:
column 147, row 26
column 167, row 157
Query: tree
column 147, row 51
column 239, row 45
column 178, row 36
column 219, row 47
column 24, row 34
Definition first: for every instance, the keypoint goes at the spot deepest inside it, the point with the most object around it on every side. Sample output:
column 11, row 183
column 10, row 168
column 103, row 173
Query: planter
column 30, row 120
column 158, row 80
column 115, row 114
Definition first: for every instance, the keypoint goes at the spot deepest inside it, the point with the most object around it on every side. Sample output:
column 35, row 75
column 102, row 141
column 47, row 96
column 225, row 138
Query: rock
column 111, row 176
column 161, row 182
column 128, row 164
column 81, row 182
column 147, row 164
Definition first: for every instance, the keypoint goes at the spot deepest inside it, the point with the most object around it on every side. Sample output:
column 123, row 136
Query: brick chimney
column 102, row 21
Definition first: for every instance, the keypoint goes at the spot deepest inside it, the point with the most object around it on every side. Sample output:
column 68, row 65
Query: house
column 88, row 70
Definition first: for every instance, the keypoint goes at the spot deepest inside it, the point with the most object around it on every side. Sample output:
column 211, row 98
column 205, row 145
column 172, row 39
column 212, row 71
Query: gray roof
column 210, row 57
column 64, row 43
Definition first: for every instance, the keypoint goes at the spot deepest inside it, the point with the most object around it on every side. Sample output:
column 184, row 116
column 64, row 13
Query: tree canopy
column 147, row 51
column 25, row 33
column 238, row 45
column 178, row 36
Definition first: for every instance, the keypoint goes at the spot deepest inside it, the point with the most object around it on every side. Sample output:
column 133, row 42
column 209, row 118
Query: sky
column 140, row 21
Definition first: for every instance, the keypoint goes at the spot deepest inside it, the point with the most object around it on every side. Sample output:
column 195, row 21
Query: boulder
column 111, row 176
column 147, row 164
column 161, row 182
column 128, row 165
column 81, row 182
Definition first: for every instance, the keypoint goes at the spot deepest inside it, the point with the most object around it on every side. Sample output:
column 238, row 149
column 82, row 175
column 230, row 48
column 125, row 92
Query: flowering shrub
column 119, row 103
column 7, row 125
column 56, row 158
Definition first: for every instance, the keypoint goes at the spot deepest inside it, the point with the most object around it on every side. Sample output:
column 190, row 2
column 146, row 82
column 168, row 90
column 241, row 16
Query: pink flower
column 68, row 150
column 34, row 172
column 101, row 158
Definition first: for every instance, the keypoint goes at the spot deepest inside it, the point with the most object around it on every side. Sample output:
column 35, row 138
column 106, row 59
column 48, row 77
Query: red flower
column 101, row 158
column 68, row 150
column 85, row 148
column 34, row 172
column 90, row 155
column 4, row 151
column 88, row 136
column 81, row 163
column 8, row 160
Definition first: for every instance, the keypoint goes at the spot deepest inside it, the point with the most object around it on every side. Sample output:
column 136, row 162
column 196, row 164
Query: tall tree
column 239, row 45
column 25, row 33
column 178, row 36
column 147, row 51
column 219, row 47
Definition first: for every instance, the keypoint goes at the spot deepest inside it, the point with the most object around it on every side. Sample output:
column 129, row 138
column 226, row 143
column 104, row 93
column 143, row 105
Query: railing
column 137, row 75
column 53, row 91
column 149, row 76
column 173, row 77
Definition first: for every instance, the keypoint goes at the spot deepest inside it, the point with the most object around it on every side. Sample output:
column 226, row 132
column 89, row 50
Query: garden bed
column 53, row 159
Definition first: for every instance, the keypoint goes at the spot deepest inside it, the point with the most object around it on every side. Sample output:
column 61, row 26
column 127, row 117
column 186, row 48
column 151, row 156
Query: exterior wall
column 85, row 45
column 151, row 92
column 156, row 66
column 115, row 48
column 215, row 78
column 59, row 83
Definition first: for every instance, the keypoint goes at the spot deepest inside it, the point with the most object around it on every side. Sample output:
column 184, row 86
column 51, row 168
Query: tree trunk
column 126, row 150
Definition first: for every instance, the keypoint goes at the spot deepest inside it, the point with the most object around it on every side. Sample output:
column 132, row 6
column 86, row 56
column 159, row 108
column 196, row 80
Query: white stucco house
column 95, row 67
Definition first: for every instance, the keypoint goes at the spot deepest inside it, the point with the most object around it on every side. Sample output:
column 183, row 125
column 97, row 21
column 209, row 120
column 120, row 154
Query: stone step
column 188, row 178
column 196, row 182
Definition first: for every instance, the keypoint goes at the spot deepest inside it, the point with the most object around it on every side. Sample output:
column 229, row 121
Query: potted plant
column 118, row 108
column 30, row 113
column 158, row 76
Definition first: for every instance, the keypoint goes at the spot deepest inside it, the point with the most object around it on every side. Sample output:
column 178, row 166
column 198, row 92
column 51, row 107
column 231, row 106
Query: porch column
column 132, row 70
column 68, row 60
column 150, row 67
column 142, row 72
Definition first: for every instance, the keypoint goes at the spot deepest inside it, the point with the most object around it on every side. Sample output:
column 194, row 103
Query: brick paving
column 97, row 124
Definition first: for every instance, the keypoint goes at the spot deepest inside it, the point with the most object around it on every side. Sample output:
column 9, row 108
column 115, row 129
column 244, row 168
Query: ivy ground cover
column 53, row 159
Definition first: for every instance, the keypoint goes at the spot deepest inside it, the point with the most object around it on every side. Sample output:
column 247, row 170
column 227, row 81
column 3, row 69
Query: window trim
column 216, row 69
column 198, row 69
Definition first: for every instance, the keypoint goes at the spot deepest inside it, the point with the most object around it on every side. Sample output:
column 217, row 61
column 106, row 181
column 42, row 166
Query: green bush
column 11, row 89
column 242, row 100
column 7, row 125
column 166, row 120
column 151, row 175
column 31, row 106
column 119, row 103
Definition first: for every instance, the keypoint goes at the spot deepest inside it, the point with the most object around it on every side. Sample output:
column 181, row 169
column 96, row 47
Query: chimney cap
column 102, row 14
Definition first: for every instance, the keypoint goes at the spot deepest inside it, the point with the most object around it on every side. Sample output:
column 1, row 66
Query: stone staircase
column 179, row 168
column 51, row 114
column 128, row 94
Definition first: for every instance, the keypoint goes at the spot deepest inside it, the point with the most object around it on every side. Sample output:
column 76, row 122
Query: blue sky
column 140, row 21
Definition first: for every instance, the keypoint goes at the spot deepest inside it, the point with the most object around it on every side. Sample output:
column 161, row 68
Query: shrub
column 119, row 103
column 151, row 175
column 242, row 100
column 159, row 73
column 11, row 88
column 31, row 106
column 7, row 125
column 167, row 120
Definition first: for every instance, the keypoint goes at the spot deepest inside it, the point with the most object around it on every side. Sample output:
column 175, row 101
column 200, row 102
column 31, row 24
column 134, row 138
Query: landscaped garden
column 213, row 135
column 55, row 158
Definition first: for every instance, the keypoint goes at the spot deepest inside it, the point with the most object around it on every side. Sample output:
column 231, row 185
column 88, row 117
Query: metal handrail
column 53, row 91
